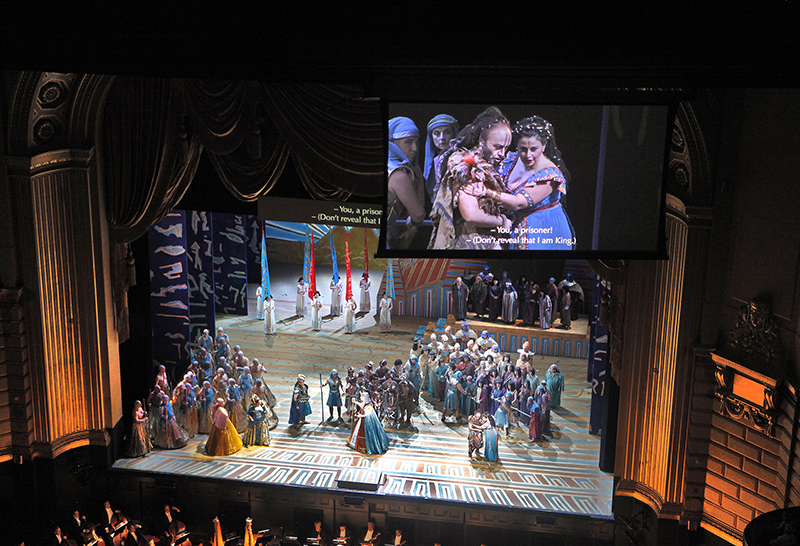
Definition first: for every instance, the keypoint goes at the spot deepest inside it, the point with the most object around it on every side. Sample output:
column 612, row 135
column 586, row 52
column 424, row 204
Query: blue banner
column 199, row 244
column 230, row 263
column 265, row 288
column 598, row 355
column 307, row 257
column 333, row 257
column 169, row 293
column 390, row 279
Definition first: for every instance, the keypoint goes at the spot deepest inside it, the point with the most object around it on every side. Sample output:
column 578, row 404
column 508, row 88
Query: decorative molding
column 745, row 395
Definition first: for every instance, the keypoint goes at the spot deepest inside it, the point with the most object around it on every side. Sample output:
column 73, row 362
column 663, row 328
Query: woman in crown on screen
column 405, row 202
column 535, row 183
column 464, row 218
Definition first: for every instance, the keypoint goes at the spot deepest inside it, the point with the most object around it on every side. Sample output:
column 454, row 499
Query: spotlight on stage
column 350, row 500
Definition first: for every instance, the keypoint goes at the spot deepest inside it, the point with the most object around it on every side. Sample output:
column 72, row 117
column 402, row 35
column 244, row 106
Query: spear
column 321, row 402
column 514, row 409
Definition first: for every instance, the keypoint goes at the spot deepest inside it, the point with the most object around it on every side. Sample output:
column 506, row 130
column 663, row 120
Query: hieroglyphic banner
column 598, row 357
column 169, row 292
column 230, row 263
column 199, row 244
column 254, row 229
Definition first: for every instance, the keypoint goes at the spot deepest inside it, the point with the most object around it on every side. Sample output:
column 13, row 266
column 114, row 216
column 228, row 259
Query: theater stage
column 426, row 460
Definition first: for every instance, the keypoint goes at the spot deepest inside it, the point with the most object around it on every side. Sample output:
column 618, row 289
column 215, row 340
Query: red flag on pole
column 312, row 274
column 349, row 289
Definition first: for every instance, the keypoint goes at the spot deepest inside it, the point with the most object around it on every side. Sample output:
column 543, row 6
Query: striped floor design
column 427, row 460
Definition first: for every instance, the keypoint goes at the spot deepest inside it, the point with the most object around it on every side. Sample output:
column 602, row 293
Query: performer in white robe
column 365, row 285
column 350, row 309
column 270, row 327
column 336, row 297
column 300, row 306
column 386, row 307
column 316, row 312
column 259, row 304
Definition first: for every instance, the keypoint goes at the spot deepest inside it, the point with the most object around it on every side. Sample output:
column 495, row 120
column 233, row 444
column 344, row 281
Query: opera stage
column 427, row 460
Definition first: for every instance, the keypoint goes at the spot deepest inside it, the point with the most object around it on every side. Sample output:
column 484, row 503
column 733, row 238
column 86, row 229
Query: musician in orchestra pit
column 169, row 516
column 342, row 537
column 57, row 538
column 135, row 536
column 74, row 527
column 398, row 538
column 318, row 535
column 370, row 536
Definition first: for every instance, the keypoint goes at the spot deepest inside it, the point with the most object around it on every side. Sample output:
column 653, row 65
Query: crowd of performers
column 501, row 298
column 223, row 394
column 464, row 371
column 339, row 306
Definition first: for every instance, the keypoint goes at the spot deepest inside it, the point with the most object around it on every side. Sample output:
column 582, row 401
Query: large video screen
column 582, row 181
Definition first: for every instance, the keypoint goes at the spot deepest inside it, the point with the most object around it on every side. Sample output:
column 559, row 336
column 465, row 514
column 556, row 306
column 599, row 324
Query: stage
column 426, row 460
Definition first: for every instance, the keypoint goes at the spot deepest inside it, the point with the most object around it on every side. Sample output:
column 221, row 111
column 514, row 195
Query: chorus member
column 270, row 326
column 405, row 202
column 168, row 434
column 543, row 398
column 139, row 443
column 509, row 304
column 259, row 303
column 257, row 433
column 335, row 388
column 441, row 130
column 386, row 307
column 566, row 302
column 350, row 309
column 301, row 404
column 300, row 303
column 479, row 293
column 336, row 297
column 477, row 424
column 554, row 380
column 545, row 308
column 504, row 410
column 365, row 284
column 460, row 296
column 316, row 312
column 461, row 219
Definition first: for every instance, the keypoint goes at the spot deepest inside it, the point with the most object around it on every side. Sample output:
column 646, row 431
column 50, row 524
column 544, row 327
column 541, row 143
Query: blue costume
column 451, row 401
column 432, row 168
column 257, row 432
column 368, row 435
column 490, row 444
column 501, row 415
column 530, row 223
column 413, row 372
column 555, row 385
column 399, row 128
column 300, row 404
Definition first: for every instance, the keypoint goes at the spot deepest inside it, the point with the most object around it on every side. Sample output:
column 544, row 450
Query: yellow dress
column 223, row 441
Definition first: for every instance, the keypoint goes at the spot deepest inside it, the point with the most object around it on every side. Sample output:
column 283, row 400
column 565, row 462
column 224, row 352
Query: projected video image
column 565, row 179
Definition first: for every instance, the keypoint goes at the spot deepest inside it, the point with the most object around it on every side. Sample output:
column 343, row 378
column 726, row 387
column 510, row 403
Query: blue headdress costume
column 400, row 127
column 442, row 120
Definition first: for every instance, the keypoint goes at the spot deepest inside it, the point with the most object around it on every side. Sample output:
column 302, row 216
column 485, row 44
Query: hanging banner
column 366, row 254
column 390, row 279
column 307, row 258
column 333, row 257
column 312, row 272
column 349, row 290
column 200, row 272
column 230, row 263
column 265, row 288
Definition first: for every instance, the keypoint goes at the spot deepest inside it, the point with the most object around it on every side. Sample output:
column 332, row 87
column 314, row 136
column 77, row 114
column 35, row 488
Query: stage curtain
column 148, row 159
column 335, row 136
column 218, row 112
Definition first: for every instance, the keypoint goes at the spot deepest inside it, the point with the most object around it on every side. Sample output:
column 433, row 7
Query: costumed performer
column 441, row 130
column 139, row 443
column 223, row 438
column 169, row 435
column 461, row 219
column 350, row 309
column 386, row 307
column 405, row 200
column 270, row 326
column 259, row 303
column 477, row 424
column 365, row 284
column 336, row 297
column 460, row 297
column 501, row 416
column 301, row 405
column 257, row 433
column 368, row 435
column 554, row 380
column 300, row 304
column 316, row 312
column 334, row 394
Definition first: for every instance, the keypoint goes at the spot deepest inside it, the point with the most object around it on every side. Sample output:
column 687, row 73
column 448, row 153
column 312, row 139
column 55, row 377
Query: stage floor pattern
column 425, row 460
